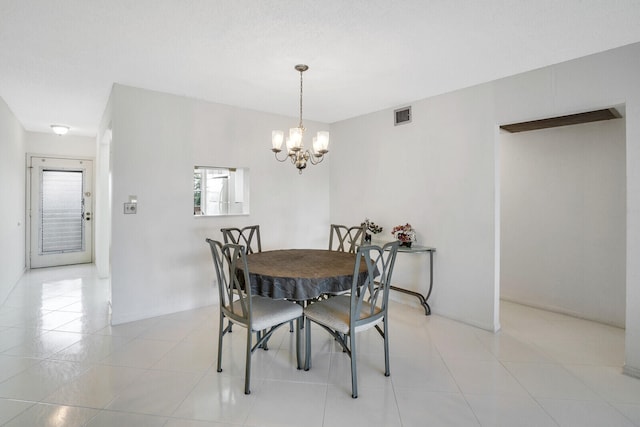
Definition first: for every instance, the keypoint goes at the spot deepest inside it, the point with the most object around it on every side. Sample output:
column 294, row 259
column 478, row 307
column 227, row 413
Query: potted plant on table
column 370, row 227
column 405, row 234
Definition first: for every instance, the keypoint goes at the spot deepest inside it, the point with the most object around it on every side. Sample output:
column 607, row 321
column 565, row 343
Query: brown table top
column 301, row 274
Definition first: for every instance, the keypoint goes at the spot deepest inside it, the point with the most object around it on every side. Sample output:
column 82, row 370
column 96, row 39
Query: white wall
column 12, row 193
column 564, row 219
column 439, row 173
column 159, row 259
column 65, row 145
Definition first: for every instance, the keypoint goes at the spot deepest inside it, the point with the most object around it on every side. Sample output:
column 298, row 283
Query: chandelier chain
column 300, row 125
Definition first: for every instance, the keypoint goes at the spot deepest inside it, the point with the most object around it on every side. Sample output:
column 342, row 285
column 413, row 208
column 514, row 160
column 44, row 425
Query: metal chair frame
column 248, row 236
column 365, row 307
column 237, row 305
column 348, row 239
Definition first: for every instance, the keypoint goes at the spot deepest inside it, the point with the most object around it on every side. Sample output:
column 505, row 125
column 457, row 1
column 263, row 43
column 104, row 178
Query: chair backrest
column 247, row 236
column 232, row 273
column 375, row 289
column 346, row 239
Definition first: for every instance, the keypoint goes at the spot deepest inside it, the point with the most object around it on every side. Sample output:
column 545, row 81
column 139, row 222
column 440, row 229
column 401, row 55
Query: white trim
column 631, row 371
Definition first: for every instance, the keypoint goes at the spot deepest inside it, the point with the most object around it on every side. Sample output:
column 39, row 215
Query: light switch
column 130, row 208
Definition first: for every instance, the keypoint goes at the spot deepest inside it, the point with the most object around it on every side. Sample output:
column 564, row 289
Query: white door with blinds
column 61, row 211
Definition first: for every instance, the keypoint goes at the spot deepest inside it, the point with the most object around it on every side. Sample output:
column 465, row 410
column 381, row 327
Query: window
column 220, row 191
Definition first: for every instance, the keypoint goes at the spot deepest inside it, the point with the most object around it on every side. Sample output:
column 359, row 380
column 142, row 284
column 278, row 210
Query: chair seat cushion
column 269, row 312
column 334, row 314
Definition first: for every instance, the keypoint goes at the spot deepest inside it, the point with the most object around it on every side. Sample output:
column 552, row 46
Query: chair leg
column 307, row 345
column 354, row 373
column 259, row 334
column 220, row 333
column 386, row 349
column 298, row 339
column 247, row 371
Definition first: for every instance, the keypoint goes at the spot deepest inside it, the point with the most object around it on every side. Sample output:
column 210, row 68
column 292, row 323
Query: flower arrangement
column 370, row 227
column 405, row 233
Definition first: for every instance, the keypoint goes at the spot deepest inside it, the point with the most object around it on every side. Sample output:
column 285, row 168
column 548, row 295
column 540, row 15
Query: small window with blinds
column 62, row 207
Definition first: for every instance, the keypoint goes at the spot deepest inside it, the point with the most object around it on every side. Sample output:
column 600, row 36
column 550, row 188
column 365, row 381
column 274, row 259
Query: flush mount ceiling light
column 60, row 129
column 295, row 147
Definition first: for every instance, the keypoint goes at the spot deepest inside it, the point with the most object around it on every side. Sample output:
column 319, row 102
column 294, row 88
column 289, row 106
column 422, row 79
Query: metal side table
column 418, row 249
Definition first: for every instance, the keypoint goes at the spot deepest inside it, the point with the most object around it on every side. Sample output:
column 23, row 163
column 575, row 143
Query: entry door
column 61, row 211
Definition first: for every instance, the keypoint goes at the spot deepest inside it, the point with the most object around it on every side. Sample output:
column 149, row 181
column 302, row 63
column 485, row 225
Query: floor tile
column 12, row 365
column 373, row 407
column 174, row 422
column 632, row 412
column 95, row 388
column 138, row 353
column 609, row 382
column 579, row 413
column 284, row 403
column 44, row 345
column 508, row 411
column 552, row 381
column 10, row 409
column 484, row 377
column 426, row 371
column 91, row 349
column 44, row 415
column 218, row 397
column 190, row 356
column 40, row 380
column 111, row 419
column 424, row 408
column 509, row 349
column 155, row 392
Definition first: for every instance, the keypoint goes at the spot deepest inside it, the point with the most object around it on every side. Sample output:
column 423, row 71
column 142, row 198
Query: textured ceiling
column 59, row 58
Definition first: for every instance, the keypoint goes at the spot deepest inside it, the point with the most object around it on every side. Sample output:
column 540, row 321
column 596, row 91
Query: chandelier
column 298, row 155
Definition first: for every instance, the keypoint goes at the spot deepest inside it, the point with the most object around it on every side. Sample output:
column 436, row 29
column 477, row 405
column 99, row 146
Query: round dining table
column 302, row 274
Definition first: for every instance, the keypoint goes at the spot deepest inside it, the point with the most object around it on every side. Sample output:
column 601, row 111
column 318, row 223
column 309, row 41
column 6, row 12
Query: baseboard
column 486, row 326
column 3, row 298
column 121, row 318
column 631, row 371
column 560, row 310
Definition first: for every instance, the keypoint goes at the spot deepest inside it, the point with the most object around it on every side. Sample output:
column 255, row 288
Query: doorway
column 60, row 211
column 563, row 220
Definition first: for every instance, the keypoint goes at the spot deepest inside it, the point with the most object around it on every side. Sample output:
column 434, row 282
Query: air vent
column 402, row 116
column 572, row 119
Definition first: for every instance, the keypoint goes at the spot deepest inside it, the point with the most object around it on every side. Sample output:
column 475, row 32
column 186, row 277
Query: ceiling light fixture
column 60, row 129
column 295, row 147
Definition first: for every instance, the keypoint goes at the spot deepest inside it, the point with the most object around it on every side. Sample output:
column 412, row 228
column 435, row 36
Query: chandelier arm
column 315, row 162
column 276, row 156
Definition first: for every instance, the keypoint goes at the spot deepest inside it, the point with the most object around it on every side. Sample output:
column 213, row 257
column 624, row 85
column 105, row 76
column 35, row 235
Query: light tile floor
column 62, row 364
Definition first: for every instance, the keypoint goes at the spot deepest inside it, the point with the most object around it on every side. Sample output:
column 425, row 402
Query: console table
column 418, row 249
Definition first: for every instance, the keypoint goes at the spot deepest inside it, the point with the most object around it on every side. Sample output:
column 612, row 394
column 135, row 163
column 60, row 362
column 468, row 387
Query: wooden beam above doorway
column 571, row 119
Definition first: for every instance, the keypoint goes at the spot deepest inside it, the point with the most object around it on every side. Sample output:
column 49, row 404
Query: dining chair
column 365, row 307
column 238, row 305
column 347, row 239
column 248, row 236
